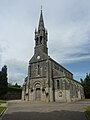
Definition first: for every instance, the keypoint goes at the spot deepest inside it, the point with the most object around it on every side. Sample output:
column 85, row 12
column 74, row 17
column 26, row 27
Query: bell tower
column 41, row 37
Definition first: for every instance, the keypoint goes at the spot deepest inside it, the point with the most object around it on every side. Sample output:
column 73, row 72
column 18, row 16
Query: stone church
column 47, row 80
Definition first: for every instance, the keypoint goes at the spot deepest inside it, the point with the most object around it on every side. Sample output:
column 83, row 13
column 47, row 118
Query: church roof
column 60, row 65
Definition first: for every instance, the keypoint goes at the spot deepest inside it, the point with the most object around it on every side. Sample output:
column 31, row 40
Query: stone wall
column 12, row 94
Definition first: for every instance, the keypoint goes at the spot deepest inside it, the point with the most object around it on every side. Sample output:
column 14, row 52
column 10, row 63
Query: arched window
column 58, row 84
column 38, row 69
column 40, row 39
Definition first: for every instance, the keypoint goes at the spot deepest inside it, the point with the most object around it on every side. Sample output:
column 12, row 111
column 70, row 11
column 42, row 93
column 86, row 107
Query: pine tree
column 3, row 81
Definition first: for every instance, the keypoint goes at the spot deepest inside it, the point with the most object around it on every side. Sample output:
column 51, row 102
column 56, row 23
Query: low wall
column 12, row 94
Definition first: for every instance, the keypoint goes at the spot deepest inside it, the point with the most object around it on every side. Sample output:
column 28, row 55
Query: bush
column 12, row 88
column 88, row 111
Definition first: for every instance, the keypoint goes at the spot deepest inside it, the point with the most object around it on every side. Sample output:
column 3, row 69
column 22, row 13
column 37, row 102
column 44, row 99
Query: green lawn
column 88, row 111
column 2, row 101
column 1, row 109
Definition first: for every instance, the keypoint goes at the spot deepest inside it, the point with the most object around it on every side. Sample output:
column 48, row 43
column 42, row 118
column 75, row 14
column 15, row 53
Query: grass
column 88, row 111
column 2, row 101
column 2, row 108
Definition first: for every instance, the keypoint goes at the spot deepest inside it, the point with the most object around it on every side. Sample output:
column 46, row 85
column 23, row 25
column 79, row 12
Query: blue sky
column 68, row 25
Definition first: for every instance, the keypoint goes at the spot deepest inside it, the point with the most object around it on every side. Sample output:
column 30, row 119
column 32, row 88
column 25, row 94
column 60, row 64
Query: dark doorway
column 38, row 94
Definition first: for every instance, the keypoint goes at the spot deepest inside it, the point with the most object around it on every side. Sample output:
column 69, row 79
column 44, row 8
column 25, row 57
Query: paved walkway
column 18, row 110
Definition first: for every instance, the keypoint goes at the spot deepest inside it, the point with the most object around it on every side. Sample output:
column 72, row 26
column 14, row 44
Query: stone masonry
column 47, row 80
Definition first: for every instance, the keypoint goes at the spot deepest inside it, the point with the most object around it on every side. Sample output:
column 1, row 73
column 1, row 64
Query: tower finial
column 41, row 21
column 41, row 7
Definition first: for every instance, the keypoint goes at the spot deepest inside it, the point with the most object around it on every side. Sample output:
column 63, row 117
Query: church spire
column 41, row 22
column 41, row 36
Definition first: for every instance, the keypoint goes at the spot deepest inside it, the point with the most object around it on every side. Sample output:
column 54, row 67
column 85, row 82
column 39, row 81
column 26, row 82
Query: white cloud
column 71, row 41
column 0, row 55
column 17, row 71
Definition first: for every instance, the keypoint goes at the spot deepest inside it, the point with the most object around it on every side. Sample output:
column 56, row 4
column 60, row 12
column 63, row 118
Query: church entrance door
column 38, row 94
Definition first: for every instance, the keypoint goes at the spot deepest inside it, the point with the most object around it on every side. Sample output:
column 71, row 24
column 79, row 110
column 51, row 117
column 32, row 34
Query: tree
column 3, row 81
column 14, row 85
column 86, row 84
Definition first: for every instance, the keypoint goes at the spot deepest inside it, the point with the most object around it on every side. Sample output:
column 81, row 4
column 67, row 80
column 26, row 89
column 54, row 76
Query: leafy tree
column 82, row 82
column 86, row 84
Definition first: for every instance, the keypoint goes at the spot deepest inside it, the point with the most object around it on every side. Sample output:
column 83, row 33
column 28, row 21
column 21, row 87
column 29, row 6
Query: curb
column 3, row 112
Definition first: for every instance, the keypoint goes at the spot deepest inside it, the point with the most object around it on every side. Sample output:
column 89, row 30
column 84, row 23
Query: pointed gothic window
column 38, row 69
column 40, row 39
column 58, row 84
